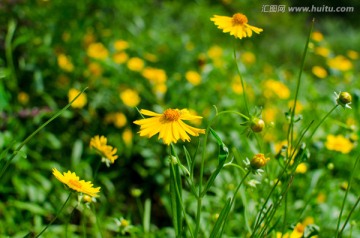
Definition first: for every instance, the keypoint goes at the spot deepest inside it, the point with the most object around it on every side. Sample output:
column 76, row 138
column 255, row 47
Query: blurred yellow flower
column 319, row 72
column 119, row 120
column 107, row 152
column 120, row 57
column 169, row 125
column 95, row 69
column 301, row 168
column 120, row 45
column 160, row 88
column 321, row 198
column 352, row 54
column 323, row 51
column 80, row 102
column 130, row 97
column 97, row 51
column 269, row 114
column 150, row 57
column 155, row 76
column 193, row 77
column 127, row 136
column 236, row 85
column 237, row 25
column 317, row 36
column 298, row 231
column 338, row 143
column 23, row 97
column 340, row 62
column 215, row 52
column 135, row 64
column 65, row 63
column 72, row 181
column 248, row 57
column 273, row 87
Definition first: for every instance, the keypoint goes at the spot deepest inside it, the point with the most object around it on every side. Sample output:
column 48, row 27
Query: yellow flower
column 298, row 231
column 135, row 64
column 301, row 168
column 120, row 45
column 107, row 152
column 317, row 36
column 80, row 102
column 169, row 125
column 130, row 97
column 65, row 63
column 151, row 57
column 97, row 51
column 340, row 63
column 215, row 52
column 73, row 182
column 352, row 54
column 319, row 72
column 248, row 57
column 323, row 51
column 258, row 161
column 236, row 25
column 339, row 143
column 23, row 97
column 95, row 69
column 193, row 77
column 155, row 76
column 119, row 120
column 273, row 87
column 127, row 136
column 120, row 57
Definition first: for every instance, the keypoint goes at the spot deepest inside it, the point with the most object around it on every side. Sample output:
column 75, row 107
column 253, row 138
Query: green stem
column 348, row 217
column 56, row 216
column 96, row 220
column 242, row 82
column 97, row 169
column 67, row 224
column 345, row 197
column 291, row 127
column 3, row 169
column 9, row 53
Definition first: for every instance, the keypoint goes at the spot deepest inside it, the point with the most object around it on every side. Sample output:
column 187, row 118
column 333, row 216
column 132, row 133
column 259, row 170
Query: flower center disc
column 239, row 19
column 75, row 183
column 171, row 114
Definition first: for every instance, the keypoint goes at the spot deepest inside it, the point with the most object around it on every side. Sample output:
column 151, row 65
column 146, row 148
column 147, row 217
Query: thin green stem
column 69, row 220
column 3, row 169
column 97, row 169
column 345, row 197
column 9, row 53
column 348, row 217
column 233, row 198
column 56, row 216
column 291, row 126
column 242, row 82
column 96, row 220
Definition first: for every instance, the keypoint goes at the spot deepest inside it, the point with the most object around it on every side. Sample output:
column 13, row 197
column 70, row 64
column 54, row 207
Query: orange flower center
column 75, row 183
column 171, row 114
column 239, row 19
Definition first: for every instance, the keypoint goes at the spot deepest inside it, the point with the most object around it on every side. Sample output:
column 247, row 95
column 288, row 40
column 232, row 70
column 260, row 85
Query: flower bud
column 344, row 98
column 258, row 161
column 257, row 125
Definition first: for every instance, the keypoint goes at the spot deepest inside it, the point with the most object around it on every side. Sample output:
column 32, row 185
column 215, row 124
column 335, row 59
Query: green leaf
column 223, row 154
column 216, row 231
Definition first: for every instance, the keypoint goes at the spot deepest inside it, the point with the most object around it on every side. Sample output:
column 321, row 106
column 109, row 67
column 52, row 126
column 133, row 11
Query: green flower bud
column 344, row 98
column 257, row 125
column 258, row 161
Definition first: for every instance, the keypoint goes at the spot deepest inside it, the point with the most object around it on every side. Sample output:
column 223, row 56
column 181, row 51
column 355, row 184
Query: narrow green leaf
column 223, row 214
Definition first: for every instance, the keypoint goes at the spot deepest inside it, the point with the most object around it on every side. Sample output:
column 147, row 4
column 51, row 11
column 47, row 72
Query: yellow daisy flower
column 106, row 151
column 169, row 125
column 72, row 181
column 236, row 25
column 80, row 102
